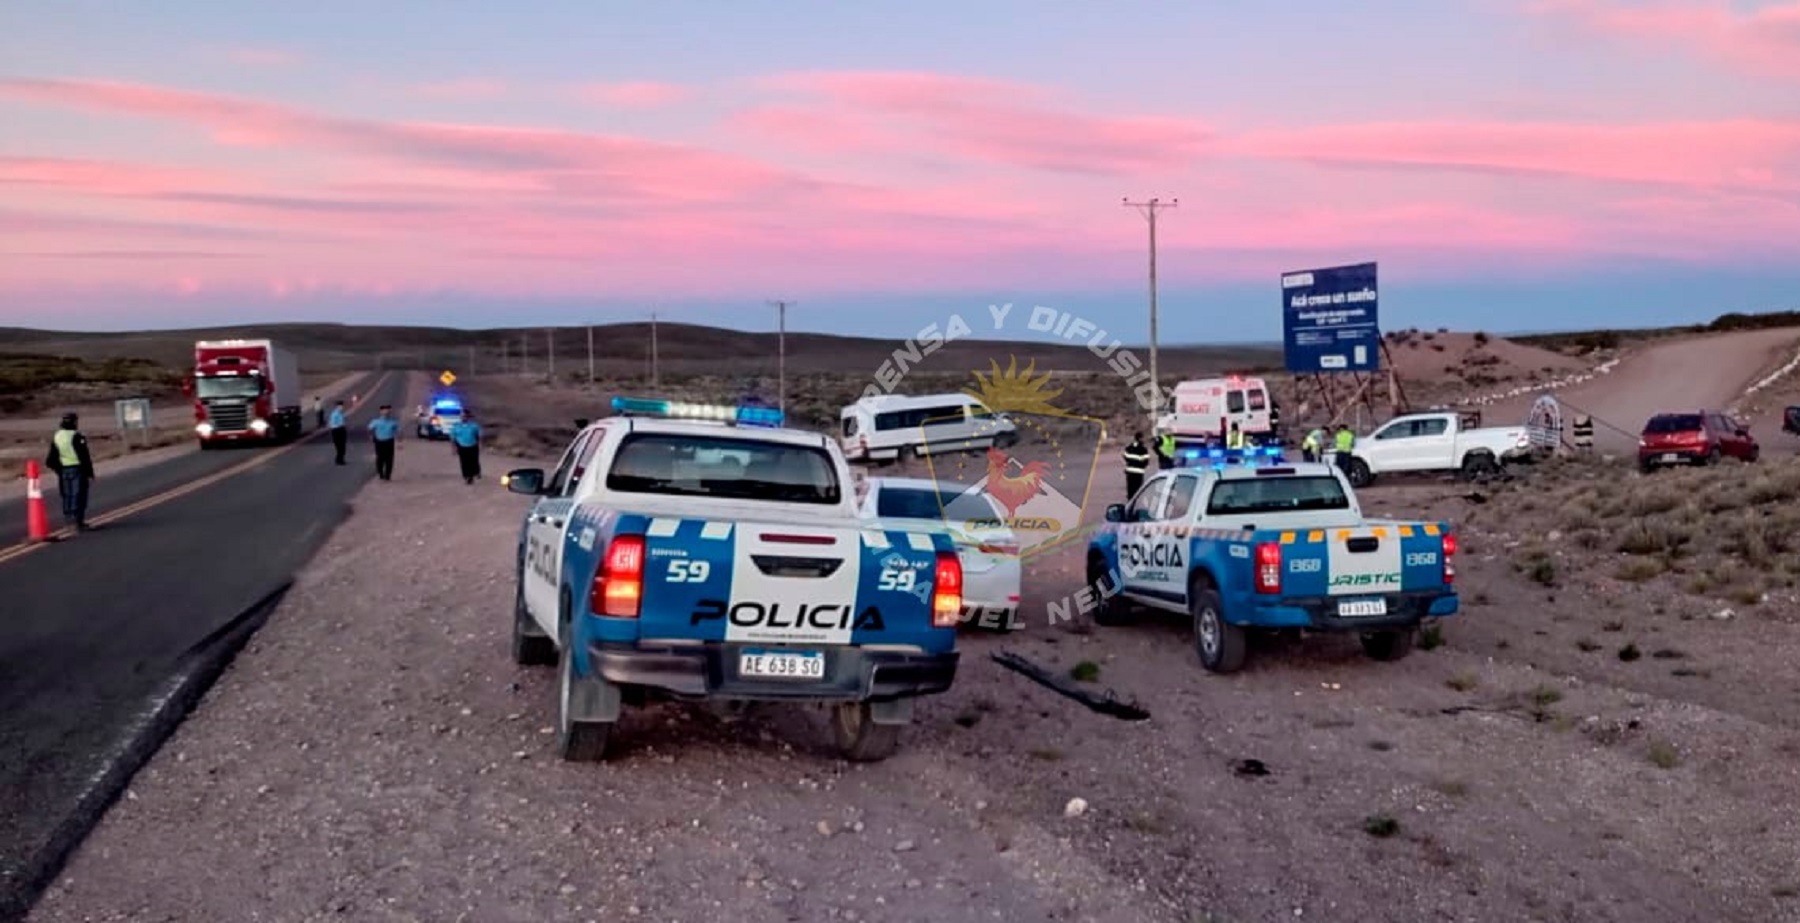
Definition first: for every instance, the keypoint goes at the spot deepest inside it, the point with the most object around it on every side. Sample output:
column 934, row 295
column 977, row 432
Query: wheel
column 1755, row 453
column 859, row 738
column 529, row 647
column 1112, row 610
column 1712, row 456
column 1222, row 646
column 1007, row 439
column 1388, row 645
column 1477, row 465
column 1358, row 472
column 576, row 741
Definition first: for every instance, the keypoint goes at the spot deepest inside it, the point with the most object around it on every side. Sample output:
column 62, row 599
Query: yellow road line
column 262, row 458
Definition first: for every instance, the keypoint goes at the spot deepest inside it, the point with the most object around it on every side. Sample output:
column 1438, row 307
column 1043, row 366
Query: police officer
column 1137, row 461
column 74, row 468
column 466, row 436
column 1345, row 443
column 340, row 433
column 1274, row 418
column 1313, row 445
column 1235, row 438
column 1165, row 451
column 383, row 430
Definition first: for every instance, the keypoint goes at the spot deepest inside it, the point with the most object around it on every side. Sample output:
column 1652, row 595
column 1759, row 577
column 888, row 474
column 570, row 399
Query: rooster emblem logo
column 1031, row 465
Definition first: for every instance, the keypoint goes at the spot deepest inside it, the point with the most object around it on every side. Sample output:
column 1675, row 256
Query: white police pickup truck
column 1243, row 540
column 704, row 552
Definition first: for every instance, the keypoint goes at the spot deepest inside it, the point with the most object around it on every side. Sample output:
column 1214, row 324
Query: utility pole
column 1149, row 211
column 655, row 378
column 550, row 355
column 505, row 357
column 590, row 354
column 781, row 354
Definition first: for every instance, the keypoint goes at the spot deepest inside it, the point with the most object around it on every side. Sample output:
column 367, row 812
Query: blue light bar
column 1218, row 459
column 769, row 417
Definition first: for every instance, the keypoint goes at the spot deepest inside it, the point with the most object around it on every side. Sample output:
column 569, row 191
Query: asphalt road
column 94, row 630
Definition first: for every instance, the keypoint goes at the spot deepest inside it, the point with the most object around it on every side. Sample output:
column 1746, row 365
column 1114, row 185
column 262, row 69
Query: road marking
column 263, row 458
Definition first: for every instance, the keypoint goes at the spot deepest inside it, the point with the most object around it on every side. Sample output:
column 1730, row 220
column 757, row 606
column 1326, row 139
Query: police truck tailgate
column 1363, row 568
column 779, row 584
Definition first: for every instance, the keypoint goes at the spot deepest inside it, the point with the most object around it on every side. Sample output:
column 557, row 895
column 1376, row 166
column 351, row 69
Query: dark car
column 1700, row 438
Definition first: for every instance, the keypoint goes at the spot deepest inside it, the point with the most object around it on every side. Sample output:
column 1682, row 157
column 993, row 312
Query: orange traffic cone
column 37, row 518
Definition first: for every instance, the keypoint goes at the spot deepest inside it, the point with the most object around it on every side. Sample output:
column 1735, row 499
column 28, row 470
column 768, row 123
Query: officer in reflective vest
column 1235, row 438
column 1137, row 461
column 1313, row 445
column 1165, row 451
column 1584, row 432
column 74, row 468
column 1346, row 442
column 466, row 436
column 1274, row 418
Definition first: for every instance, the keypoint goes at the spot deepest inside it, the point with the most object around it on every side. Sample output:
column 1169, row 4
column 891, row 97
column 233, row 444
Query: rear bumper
column 1404, row 610
column 1685, row 455
column 710, row 671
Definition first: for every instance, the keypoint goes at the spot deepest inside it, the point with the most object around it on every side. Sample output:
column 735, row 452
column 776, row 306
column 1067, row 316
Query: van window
column 943, row 415
column 849, row 426
column 1258, row 400
column 1234, row 402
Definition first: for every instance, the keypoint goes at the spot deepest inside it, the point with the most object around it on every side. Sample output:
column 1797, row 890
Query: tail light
column 619, row 586
column 1268, row 568
column 1449, row 559
column 946, row 591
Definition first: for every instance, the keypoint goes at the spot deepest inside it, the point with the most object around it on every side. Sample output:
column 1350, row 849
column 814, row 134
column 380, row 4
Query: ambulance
column 1204, row 409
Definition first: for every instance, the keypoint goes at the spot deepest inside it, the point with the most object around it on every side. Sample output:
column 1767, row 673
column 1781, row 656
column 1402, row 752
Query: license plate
column 1671, row 457
column 1350, row 608
column 782, row 665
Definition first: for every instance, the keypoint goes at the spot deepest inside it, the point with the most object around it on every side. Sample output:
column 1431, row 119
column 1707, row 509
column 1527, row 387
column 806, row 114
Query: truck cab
column 1445, row 440
column 243, row 391
column 1244, row 541
column 705, row 552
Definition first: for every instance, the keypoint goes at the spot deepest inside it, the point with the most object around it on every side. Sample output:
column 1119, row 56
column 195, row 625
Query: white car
column 988, row 549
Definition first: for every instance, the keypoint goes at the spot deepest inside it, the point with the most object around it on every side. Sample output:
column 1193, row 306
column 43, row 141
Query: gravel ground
column 374, row 755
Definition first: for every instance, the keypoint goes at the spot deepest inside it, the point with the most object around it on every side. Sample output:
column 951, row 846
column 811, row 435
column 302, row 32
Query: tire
column 1222, row 646
column 1477, row 465
column 528, row 647
column 858, row 737
column 1389, row 646
column 1111, row 610
column 1358, row 472
column 1755, row 454
column 1007, row 440
column 576, row 741
column 1712, row 457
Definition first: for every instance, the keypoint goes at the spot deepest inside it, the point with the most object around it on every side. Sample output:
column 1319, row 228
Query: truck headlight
column 259, row 425
column 204, row 429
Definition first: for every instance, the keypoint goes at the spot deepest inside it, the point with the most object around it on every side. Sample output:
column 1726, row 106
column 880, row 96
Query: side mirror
column 527, row 481
column 1115, row 512
column 581, row 422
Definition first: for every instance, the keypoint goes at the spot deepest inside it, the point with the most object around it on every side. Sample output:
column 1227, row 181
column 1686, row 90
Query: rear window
column 1673, row 423
column 723, row 466
column 1240, row 496
column 911, row 503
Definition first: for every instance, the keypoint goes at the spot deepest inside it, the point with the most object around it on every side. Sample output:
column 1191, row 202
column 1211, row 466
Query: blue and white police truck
column 440, row 417
column 1243, row 540
column 706, row 552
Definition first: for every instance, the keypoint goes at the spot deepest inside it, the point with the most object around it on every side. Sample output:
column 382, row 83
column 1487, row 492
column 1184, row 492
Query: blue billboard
column 1329, row 320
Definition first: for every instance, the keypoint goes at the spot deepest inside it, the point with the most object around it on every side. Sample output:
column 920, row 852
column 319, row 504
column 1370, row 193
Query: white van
column 892, row 427
column 1206, row 408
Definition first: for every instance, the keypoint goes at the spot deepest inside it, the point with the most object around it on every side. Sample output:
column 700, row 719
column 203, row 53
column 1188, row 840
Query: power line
column 1149, row 209
column 655, row 378
column 781, row 362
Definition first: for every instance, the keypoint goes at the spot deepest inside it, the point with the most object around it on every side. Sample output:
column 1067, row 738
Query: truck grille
column 229, row 418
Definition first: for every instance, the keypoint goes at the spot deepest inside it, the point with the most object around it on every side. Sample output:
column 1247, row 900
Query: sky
column 1510, row 164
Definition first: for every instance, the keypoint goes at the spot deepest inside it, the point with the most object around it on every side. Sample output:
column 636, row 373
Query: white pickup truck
column 675, row 554
column 1435, row 441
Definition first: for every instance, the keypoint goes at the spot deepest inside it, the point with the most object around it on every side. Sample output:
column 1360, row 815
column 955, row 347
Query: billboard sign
column 1329, row 320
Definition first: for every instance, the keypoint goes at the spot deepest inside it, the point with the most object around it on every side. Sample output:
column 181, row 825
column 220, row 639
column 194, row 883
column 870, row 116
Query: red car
column 1694, row 438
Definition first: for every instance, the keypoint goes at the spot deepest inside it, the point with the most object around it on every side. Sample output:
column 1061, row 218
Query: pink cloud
column 1766, row 40
column 264, row 57
column 97, row 176
column 637, row 94
column 1738, row 154
column 990, row 120
column 473, row 89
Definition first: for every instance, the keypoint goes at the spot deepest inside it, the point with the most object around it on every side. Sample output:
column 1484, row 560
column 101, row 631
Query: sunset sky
column 1511, row 164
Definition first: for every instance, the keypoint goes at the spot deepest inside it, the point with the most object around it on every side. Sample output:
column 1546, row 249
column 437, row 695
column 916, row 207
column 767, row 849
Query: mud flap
column 594, row 699
column 891, row 711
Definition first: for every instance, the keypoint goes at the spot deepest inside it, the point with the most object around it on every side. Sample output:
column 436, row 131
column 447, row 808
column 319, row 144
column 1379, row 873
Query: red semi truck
column 244, row 390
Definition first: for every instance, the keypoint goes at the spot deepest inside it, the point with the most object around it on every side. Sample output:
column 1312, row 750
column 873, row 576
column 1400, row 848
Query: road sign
column 132, row 413
column 447, row 378
column 1330, row 321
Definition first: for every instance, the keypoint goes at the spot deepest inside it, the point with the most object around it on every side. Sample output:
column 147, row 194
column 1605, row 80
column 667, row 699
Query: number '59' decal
column 902, row 579
column 682, row 570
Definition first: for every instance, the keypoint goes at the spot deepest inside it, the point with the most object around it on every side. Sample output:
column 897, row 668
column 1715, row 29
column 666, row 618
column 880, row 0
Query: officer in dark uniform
column 1137, row 461
column 1274, row 422
column 340, row 431
column 383, row 430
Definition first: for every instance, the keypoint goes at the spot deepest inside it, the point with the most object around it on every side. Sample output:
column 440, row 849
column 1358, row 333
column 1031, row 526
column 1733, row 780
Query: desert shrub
column 1638, row 570
column 1481, row 338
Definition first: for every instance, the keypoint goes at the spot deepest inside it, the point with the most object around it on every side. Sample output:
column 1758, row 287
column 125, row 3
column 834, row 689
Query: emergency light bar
column 741, row 415
column 1249, row 457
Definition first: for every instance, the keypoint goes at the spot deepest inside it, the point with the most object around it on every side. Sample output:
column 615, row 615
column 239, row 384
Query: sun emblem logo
column 1032, row 462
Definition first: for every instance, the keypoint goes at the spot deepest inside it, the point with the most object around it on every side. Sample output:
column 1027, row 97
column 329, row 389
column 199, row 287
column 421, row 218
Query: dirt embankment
column 375, row 755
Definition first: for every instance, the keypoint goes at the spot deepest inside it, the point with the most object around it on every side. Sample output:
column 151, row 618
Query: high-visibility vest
column 1346, row 440
column 64, row 440
column 1314, row 440
column 1584, row 431
column 1234, row 439
column 1167, row 444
